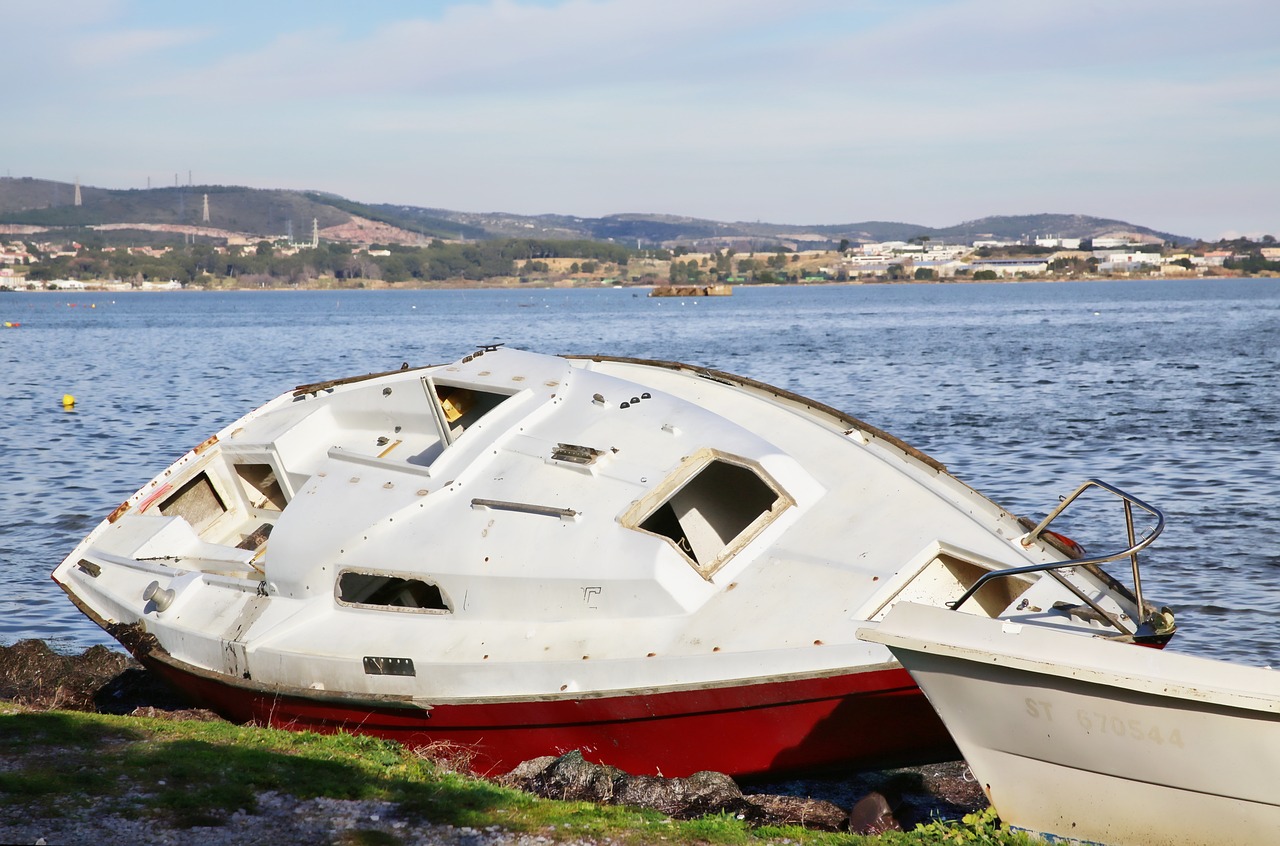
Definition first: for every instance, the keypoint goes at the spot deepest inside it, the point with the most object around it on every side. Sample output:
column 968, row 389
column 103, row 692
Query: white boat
column 1086, row 740
column 661, row 565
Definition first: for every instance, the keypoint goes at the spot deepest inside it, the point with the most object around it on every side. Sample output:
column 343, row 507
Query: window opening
column 946, row 577
column 464, row 406
column 196, row 502
column 256, row 538
column 262, row 486
column 665, row 522
column 715, row 513
column 379, row 590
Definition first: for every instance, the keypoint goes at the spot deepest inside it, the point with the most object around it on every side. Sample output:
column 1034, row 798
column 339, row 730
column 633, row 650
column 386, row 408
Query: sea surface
column 1168, row 389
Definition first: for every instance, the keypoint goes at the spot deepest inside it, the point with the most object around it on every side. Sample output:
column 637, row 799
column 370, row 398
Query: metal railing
column 1136, row 545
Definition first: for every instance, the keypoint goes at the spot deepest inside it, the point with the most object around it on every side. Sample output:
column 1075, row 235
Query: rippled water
column 1168, row 389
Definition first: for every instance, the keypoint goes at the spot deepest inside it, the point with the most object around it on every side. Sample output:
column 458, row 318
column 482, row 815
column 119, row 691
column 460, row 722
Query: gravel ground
column 281, row 821
column 284, row 820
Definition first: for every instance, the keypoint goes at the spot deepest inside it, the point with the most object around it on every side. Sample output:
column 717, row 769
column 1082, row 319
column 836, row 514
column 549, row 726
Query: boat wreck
column 661, row 565
column 691, row 291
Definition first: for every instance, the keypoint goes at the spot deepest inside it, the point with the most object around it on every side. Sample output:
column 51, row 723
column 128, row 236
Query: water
column 1168, row 389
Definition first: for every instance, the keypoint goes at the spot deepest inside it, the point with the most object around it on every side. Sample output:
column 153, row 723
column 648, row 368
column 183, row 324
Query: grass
column 191, row 773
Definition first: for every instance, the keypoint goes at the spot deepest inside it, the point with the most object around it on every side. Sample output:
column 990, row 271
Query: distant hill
column 271, row 213
column 667, row 230
column 43, row 203
column 266, row 212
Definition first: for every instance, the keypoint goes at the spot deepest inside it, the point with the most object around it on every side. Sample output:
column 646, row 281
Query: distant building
column 882, row 248
column 1216, row 258
column 1122, row 262
column 1059, row 242
column 1007, row 267
column 870, row 267
column 1122, row 240
column 944, row 269
column 944, row 252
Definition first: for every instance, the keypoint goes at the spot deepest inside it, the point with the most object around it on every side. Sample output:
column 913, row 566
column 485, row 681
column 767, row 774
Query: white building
column 1010, row 267
column 1059, row 242
column 1119, row 262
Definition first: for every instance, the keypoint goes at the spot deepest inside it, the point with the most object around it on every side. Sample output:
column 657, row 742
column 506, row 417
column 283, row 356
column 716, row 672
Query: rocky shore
column 104, row 681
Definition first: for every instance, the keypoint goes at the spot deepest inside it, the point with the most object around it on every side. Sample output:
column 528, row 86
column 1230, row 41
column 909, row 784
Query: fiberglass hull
column 1093, row 741
column 520, row 555
column 866, row 719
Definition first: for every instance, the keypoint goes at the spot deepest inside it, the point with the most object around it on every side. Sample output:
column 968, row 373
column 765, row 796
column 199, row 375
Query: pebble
column 280, row 820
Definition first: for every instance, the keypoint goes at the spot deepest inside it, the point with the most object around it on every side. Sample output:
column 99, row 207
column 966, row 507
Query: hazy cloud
column 811, row 110
column 124, row 46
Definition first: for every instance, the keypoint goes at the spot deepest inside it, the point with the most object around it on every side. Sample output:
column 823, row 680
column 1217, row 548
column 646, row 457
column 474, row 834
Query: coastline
column 512, row 284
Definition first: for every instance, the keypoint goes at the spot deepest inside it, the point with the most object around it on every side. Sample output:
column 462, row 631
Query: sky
column 1161, row 113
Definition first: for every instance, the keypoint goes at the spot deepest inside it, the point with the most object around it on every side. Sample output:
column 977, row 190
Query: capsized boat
column 1084, row 740
column 661, row 565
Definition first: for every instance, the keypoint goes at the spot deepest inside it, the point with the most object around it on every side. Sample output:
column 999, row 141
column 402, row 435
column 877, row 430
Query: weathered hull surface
column 859, row 719
column 1100, row 742
column 661, row 565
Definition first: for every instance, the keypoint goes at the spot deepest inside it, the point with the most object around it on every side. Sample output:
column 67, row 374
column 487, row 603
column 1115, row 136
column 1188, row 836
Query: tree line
column 264, row 264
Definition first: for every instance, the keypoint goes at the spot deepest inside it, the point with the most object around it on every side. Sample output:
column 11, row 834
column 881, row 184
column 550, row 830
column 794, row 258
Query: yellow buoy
column 68, row 401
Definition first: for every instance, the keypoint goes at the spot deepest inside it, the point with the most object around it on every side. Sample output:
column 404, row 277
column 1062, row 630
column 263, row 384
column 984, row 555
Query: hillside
column 258, row 212
column 263, row 212
column 649, row 230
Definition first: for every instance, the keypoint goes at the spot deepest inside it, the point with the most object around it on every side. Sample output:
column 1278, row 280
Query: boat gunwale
column 410, row 701
column 979, row 647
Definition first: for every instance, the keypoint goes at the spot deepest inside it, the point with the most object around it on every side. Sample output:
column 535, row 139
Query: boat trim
column 1022, row 647
column 343, row 454
column 330, row 384
column 525, row 508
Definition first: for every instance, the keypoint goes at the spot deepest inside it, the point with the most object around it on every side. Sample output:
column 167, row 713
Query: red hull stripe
column 853, row 720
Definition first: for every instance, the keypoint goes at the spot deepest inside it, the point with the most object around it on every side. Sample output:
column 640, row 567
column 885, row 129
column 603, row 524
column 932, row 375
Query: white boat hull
column 662, row 565
column 1095, row 741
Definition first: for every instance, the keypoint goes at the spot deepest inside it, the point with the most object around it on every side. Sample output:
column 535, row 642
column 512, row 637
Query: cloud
column 124, row 46
column 1009, row 47
column 29, row 15
column 500, row 46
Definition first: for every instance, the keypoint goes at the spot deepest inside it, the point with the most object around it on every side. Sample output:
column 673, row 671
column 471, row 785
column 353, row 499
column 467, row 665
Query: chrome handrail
column 1131, row 552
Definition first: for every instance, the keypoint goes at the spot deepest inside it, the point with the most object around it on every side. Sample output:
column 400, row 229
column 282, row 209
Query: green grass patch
column 190, row 773
column 24, row 730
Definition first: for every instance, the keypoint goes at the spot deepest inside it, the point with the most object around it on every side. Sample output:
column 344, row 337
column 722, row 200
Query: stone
column 873, row 815
column 797, row 810
column 570, row 776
